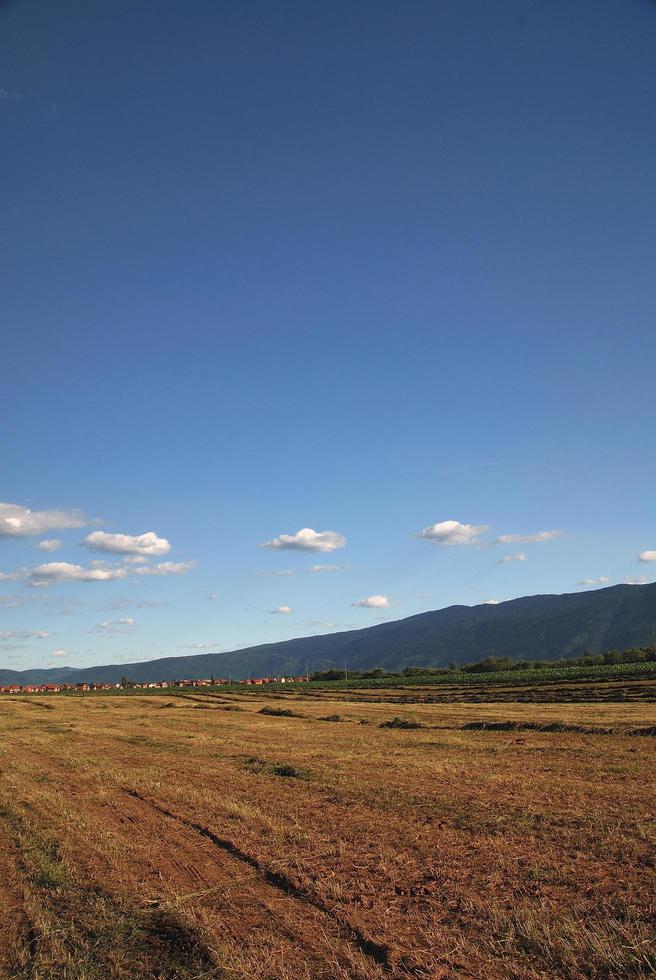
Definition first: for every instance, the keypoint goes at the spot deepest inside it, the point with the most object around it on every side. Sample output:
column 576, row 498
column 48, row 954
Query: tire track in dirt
column 181, row 862
column 86, row 921
column 376, row 952
column 249, row 908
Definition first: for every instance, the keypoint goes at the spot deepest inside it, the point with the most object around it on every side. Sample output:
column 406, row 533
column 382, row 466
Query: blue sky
column 362, row 268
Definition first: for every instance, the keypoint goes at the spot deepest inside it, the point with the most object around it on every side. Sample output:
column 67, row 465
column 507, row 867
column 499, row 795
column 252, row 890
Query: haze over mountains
column 533, row 627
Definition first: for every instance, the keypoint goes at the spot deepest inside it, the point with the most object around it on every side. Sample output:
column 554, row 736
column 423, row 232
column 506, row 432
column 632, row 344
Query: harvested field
column 542, row 692
column 142, row 837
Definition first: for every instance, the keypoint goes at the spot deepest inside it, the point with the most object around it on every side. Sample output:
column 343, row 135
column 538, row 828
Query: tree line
column 493, row 663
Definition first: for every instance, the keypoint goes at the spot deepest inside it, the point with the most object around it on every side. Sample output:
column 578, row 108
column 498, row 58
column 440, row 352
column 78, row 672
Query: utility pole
column 653, row 645
column 307, row 673
column 345, row 671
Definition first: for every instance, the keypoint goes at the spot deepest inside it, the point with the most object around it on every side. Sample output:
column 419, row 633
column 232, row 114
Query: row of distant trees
column 633, row 656
column 494, row 663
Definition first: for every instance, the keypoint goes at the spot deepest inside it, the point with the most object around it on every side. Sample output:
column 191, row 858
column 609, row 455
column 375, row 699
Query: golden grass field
column 155, row 836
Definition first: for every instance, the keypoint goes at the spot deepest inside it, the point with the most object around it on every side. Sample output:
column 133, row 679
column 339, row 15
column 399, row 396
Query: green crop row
column 595, row 672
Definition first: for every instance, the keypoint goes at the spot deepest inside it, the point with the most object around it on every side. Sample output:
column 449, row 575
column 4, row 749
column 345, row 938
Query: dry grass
column 141, row 837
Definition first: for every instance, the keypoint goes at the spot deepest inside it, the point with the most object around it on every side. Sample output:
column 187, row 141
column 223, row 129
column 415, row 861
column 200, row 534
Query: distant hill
column 544, row 627
column 47, row 675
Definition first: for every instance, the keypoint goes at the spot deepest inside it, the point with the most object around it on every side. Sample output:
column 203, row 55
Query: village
column 86, row 686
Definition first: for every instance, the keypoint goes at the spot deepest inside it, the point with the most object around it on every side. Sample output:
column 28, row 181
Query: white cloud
column 50, row 544
column 282, row 610
column 60, row 653
column 527, row 538
column 372, row 602
column 23, row 635
column 13, row 576
column 145, row 545
column 648, row 556
column 602, row 580
column 198, row 646
column 282, row 574
column 17, row 521
column 112, row 626
column 636, row 580
column 213, row 596
column 326, row 568
column 518, row 556
column 491, row 602
column 453, row 533
column 134, row 560
column 307, row 539
column 63, row 571
column 167, row 568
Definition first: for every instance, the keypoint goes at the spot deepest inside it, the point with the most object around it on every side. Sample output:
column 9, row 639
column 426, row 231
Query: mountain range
column 541, row 627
